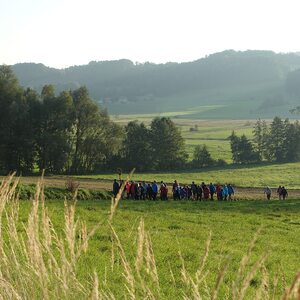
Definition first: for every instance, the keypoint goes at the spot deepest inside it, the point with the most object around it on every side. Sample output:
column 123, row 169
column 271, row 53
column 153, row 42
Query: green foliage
column 202, row 157
column 260, row 139
column 242, row 150
column 59, row 134
column 137, row 151
column 276, row 137
column 280, row 142
column 54, row 127
column 16, row 132
column 167, row 144
column 27, row 192
column 221, row 162
column 96, row 138
column 292, row 141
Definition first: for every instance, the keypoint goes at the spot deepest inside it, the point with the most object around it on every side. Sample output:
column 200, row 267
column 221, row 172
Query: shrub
column 71, row 185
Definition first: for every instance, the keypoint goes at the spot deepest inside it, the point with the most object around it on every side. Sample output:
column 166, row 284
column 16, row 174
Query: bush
column 221, row 162
column 72, row 185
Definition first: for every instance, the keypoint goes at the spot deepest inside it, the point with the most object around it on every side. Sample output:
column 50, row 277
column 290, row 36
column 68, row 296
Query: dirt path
column 101, row 184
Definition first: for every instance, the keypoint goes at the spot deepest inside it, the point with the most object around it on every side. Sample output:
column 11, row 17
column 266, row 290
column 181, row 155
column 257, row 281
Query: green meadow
column 214, row 135
column 178, row 232
column 243, row 176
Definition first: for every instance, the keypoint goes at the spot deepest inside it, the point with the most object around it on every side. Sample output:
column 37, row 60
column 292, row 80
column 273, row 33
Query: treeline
column 69, row 133
column 278, row 142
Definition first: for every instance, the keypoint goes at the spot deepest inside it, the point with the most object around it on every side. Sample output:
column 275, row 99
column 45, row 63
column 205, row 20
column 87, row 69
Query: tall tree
column 234, row 144
column 16, row 147
column 55, row 124
column 137, row 150
column 201, row 157
column 242, row 150
column 260, row 132
column 167, row 144
column 95, row 137
column 291, row 143
column 275, row 145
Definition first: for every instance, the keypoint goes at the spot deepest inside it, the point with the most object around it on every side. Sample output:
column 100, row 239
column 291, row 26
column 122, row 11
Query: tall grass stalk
column 36, row 262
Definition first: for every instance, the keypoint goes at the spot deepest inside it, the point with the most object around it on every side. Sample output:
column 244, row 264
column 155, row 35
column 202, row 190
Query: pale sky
column 61, row 33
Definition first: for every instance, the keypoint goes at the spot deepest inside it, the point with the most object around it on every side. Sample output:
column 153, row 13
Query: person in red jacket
column 127, row 189
column 205, row 192
column 163, row 191
column 132, row 190
column 219, row 192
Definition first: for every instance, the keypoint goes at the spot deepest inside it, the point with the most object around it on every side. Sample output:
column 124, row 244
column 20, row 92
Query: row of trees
column 69, row 133
column 64, row 133
column 278, row 142
column 158, row 147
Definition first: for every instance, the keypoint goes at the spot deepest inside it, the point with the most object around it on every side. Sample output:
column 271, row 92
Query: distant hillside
column 251, row 83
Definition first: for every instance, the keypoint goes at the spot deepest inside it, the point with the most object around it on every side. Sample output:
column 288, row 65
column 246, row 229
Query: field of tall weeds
column 40, row 261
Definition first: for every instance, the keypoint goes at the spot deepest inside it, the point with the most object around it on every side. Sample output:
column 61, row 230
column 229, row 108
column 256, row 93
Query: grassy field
column 184, row 227
column 246, row 102
column 214, row 134
column 145, row 249
column 243, row 176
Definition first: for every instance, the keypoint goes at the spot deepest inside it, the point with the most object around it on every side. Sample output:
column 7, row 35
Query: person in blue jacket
column 230, row 191
column 212, row 190
column 225, row 192
column 154, row 190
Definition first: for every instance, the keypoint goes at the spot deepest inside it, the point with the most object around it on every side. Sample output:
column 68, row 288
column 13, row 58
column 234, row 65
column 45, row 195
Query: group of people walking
column 202, row 191
column 281, row 191
column 153, row 191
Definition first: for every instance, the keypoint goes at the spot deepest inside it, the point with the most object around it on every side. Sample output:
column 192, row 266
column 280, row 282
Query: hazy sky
column 60, row 33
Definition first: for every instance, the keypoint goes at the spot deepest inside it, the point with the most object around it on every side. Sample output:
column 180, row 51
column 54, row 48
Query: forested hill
column 252, row 83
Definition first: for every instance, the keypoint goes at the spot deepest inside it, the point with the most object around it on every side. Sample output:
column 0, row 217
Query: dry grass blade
column 238, row 283
column 204, row 258
column 293, row 292
column 115, row 201
column 150, row 261
column 128, row 274
column 249, row 276
column 140, row 246
column 95, row 291
column 37, row 264
column 219, row 281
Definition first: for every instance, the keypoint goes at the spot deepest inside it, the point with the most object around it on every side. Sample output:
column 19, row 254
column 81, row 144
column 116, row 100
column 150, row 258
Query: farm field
column 212, row 133
column 242, row 176
column 184, row 227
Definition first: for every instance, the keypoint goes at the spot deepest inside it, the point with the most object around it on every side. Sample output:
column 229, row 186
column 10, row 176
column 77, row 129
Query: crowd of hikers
column 154, row 191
